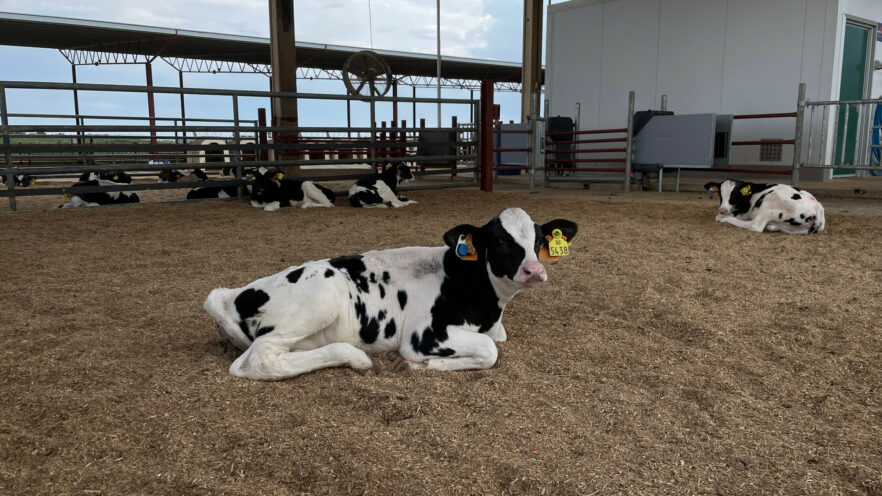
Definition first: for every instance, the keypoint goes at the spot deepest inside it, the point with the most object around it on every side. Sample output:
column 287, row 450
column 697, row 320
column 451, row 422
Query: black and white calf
column 223, row 192
column 115, row 176
column 773, row 207
column 381, row 190
column 99, row 198
column 270, row 191
column 20, row 180
column 437, row 310
column 182, row 175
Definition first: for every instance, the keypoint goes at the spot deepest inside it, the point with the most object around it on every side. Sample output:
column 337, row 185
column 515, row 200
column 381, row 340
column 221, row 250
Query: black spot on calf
column 390, row 329
column 795, row 196
column 386, row 277
column 402, row 298
column 369, row 331
column 294, row 275
column 248, row 304
column 382, row 291
column 354, row 266
column 329, row 273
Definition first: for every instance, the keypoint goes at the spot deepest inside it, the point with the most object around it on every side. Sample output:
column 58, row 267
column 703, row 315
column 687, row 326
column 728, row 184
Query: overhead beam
column 531, row 80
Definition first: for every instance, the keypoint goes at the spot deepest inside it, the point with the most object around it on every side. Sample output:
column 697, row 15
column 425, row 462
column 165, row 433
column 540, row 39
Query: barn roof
column 99, row 36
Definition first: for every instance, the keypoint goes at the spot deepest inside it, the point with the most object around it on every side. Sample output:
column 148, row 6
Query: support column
column 151, row 110
column 531, row 76
column 73, row 73
column 183, row 108
column 486, row 135
column 284, row 76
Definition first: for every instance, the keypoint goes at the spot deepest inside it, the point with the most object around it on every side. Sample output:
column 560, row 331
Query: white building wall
column 723, row 56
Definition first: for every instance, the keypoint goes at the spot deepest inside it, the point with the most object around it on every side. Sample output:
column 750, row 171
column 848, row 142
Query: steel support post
column 4, row 124
column 239, row 172
column 151, row 109
column 630, row 141
column 183, row 108
column 797, row 135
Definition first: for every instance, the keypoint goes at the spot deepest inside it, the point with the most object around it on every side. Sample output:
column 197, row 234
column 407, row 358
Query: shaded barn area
column 668, row 354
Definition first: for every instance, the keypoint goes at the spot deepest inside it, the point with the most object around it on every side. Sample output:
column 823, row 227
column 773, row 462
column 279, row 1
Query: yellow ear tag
column 465, row 250
column 115, row 177
column 66, row 197
column 33, row 180
column 745, row 191
column 557, row 246
column 278, row 176
column 388, row 166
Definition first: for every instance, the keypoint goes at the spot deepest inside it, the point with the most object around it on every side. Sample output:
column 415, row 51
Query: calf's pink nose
column 724, row 210
column 534, row 271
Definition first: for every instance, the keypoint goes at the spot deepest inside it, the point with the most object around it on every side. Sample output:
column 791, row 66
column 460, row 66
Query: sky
column 484, row 29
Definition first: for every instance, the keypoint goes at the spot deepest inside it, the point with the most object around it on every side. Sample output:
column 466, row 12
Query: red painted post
column 403, row 138
column 486, row 135
column 261, row 121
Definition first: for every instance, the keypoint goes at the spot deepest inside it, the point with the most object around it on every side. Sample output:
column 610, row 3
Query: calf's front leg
column 460, row 349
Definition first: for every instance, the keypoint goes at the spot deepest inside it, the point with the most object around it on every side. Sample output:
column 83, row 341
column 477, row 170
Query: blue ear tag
column 462, row 249
column 465, row 250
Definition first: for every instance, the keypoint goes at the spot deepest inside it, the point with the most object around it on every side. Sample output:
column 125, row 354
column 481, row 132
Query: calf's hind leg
column 271, row 360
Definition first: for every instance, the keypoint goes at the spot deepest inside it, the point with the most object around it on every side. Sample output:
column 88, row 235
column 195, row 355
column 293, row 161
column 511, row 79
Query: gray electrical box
column 678, row 140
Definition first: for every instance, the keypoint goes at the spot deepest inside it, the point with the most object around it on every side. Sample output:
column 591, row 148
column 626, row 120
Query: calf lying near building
column 772, row 207
column 439, row 307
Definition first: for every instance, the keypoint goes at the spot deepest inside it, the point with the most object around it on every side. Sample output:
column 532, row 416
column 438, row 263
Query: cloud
column 405, row 25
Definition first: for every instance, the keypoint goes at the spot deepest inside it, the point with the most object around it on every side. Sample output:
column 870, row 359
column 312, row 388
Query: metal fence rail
column 843, row 135
column 48, row 146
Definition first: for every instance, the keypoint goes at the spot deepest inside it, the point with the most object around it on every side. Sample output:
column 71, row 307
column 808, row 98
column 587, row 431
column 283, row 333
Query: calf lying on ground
column 773, row 207
column 270, row 191
column 20, row 180
column 381, row 190
column 182, row 175
column 115, row 176
column 223, row 192
column 99, row 198
column 439, row 311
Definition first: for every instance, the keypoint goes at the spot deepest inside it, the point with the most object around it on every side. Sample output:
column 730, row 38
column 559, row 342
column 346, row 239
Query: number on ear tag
column 558, row 245
column 465, row 250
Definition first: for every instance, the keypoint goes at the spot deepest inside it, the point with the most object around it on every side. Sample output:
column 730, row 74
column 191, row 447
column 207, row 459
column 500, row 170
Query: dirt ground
column 668, row 355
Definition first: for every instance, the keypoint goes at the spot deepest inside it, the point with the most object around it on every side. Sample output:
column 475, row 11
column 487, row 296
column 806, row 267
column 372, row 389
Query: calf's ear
column 451, row 237
column 567, row 228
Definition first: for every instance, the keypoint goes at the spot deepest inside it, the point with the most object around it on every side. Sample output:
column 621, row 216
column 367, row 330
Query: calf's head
column 733, row 194
column 509, row 245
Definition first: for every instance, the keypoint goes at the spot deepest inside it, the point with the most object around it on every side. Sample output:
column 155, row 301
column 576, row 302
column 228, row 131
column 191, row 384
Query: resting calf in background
column 100, row 197
column 381, row 190
column 773, row 207
column 270, row 191
column 115, row 176
column 440, row 307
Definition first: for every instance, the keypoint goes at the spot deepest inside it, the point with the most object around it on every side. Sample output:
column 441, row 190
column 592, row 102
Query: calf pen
column 845, row 136
column 116, row 144
column 724, row 369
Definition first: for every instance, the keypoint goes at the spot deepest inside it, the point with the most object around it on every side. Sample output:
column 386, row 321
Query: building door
column 853, row 85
